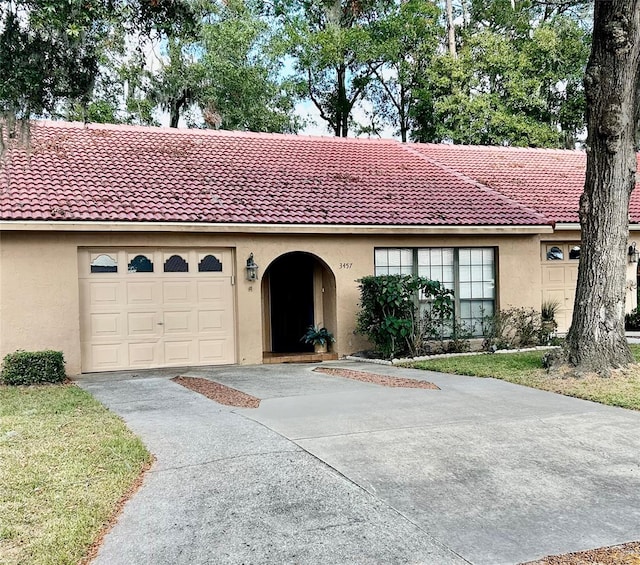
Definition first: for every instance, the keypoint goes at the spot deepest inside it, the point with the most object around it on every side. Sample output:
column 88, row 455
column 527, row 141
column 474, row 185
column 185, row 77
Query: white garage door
column 143, row 308
column 559, row 278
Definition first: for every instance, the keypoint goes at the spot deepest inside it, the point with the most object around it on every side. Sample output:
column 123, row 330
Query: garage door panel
column 175, row 314
column 213, row 350
column 107, row 356
column 559, row 278
column 143, row 354
column 179, row 352
column 212, row 321
column 212, row 291
column 142, row 324
column 106, row 324
column 178, row 322
column 555, row 274
column 105, row 293
column 177, row 292
column 142, row 293
column 573, row 275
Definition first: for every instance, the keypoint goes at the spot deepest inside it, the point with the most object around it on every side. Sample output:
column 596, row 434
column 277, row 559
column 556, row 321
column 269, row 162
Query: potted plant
column 319, row 337
column 548, row 318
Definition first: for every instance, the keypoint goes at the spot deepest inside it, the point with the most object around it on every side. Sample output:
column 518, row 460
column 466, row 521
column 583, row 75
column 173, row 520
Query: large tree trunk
column 451, row 30
column 596, row 341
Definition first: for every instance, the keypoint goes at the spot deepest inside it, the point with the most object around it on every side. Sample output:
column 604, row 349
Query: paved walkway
column 330, row 470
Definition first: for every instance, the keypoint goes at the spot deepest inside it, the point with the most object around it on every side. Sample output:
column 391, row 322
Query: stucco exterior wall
column 39, row 292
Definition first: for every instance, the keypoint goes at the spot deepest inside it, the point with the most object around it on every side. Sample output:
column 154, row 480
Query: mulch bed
column 625, row 554
column 382, row 380
column 218, row 392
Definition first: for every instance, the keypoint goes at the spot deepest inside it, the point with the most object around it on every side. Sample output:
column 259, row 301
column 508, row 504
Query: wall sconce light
column 252, row 269
column 633, row 253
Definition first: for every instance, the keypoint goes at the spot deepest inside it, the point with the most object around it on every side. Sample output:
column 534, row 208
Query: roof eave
column 197, row 227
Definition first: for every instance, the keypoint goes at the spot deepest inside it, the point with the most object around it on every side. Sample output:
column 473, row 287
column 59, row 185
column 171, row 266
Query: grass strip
column 65, row 463
column 622, row 389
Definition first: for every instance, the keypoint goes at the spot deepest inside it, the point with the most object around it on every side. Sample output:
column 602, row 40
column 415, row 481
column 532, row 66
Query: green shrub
column 511, row 328
column 32, row 367
column 390, row 313
column 632, row 321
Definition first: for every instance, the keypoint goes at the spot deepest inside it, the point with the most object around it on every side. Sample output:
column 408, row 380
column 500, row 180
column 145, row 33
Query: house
column 132, row 247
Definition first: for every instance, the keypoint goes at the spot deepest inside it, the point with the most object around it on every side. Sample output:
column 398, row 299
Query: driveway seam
column 383, row 502
column 234, row 457
column 431, row 426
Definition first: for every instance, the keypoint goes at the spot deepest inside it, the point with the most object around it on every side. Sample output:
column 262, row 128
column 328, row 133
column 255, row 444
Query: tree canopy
column 495, row 72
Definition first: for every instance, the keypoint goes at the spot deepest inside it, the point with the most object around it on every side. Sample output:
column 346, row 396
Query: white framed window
column 469, row 271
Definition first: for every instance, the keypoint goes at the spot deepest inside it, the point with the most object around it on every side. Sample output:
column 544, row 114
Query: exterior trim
column 190, row 227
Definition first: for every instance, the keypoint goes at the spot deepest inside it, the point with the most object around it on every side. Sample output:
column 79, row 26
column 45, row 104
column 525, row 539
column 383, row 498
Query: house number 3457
column 346, row 265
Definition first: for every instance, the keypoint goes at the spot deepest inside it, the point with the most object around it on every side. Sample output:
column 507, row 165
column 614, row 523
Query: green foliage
column 335, row 49
column 318, row 336
column 406, row 42
column 549, row 309
column 517, row 80
column 513, row 327
column 390, row 314
column 51, row 51
column 28, row 368
column 632, row 321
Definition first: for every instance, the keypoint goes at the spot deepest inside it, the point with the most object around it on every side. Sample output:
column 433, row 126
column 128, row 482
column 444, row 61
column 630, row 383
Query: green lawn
column 622, row 389
column 65, row 462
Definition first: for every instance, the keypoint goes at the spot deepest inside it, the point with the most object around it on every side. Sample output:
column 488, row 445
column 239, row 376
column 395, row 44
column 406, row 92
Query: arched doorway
column 298, row 291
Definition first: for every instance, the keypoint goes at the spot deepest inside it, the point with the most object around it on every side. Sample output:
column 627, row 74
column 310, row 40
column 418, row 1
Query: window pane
column 476, row 272
column 476, row 256
column 476, row 290
column 394, row 270
column 176, row 264
column 436, row 256
column 487, row 256
column 464, row 256
column 424, row 257
column 394, row 257
column 104, row 264
column 140, row 264
column 406, row 258
column 487, row 272
column 447, row 276
column 488, row 290
column 447, row 256
column 465, row 290
column 465, row 309
column 381, row 259
column 555, row 254
column 465, row 273
column 488, row 308
column 210, row 264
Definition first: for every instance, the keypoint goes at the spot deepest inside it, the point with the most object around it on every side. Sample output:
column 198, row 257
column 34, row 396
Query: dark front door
column 291, row 280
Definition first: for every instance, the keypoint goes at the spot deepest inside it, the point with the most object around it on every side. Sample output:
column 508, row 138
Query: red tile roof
column 549, row 181
column 125, row 173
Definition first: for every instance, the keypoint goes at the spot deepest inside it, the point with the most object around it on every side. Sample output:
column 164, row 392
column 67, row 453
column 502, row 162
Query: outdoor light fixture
column 252, row 269
column 633, row 253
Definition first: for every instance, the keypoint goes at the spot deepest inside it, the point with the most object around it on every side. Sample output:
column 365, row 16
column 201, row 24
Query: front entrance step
column 268, row 357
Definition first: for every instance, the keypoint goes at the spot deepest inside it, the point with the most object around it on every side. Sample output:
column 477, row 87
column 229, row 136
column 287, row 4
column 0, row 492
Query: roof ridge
column 501, row 148
column 61, row 124
column 473, row 181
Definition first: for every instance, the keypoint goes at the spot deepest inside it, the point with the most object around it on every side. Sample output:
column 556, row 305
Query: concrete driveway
column 331, row 470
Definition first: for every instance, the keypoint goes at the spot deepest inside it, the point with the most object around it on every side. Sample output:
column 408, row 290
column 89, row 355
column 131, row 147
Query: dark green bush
column 632, row 321
column 32, row 367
